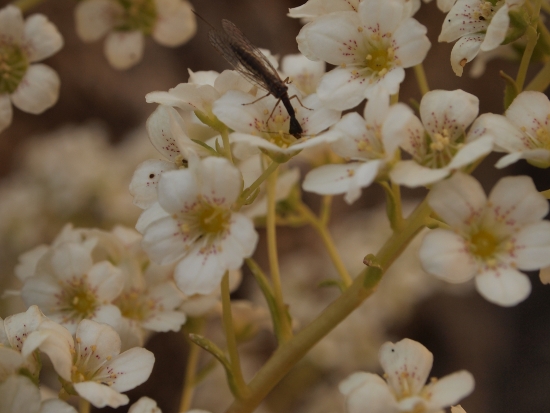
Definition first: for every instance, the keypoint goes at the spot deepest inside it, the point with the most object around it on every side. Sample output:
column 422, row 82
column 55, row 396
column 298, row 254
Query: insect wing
column 231, row 41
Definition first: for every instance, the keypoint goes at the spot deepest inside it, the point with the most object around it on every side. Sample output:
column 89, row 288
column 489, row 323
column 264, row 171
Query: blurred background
column 98, row 129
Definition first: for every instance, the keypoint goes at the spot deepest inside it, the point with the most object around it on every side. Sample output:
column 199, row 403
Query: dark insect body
column 248, row 60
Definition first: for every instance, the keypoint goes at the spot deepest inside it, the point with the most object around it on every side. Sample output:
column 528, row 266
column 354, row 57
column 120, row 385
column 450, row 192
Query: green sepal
column 252, row 197
column 519, row 21
column 510, row 90
column 213, row 349
column 213, row 121
column 205, row 146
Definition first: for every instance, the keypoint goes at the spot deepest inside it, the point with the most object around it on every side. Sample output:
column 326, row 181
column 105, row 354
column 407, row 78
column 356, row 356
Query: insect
column 248, row 60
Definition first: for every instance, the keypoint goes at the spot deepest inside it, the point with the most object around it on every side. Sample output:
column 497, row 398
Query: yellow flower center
column 134, row 305
column 13, row 66
column 380, row 59
column 213, row 220
column 441, row 148
column 483, row 244
column 138, row 15
column 80, row 301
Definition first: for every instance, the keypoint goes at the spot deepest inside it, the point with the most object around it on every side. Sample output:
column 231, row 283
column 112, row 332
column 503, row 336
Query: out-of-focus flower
column 126, row 23
column 31, row 87
column 524, row 131
column 406, row 365
column 372, row 48
column 192, row 224
column 91, row 365
column 490, row 237
column 478, row 25
column 439, row 143
column 19, row 394
column 144, row 405
column 69, row 286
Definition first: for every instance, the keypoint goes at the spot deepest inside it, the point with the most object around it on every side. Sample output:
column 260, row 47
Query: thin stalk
column 190, row 382
column 532, row 37
column 542, row 80
column 286, row 331
column 83, row 405
column 256, row 184
column 287, row 355
column 421, row 79
column 231, row 339
column 227, row 145
column 26, row 5
column 328, row 242
column 326, row 207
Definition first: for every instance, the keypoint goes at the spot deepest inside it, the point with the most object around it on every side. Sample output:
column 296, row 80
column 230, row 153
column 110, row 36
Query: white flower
column 524, row 132
column 491, row 238
column 254, row 124
column 144, row 405
column 439, row 143
column 370, row 144
column 316, row 8
column 192, row 224
column 31, row 87
column 170, row 22
column 407, row 365
column 91, row 364
column 20, row 395
column 68, row 286
column 478, row 25
column 302, row 72
column 372, row 48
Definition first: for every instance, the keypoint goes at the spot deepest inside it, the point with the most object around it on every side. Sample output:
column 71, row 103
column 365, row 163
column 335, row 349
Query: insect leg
column 257, row 100
column 298, row 99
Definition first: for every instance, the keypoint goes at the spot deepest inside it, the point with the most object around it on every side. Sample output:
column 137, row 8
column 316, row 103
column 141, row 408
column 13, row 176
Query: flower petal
column 464, row 51
column 517, row 200
column 458, row 200
column 412, row 43
column 129, row 369
column 506, row 287
column 177, row 190
column 38, row 90
column 11, row 24
column 406, row 359
column 471, row 152
column 200, row 271
column 450, row 389
column 18, row 395
column 94, row 18
column 100, row 395
column 533, row 246
column 151, row 214
column 175, row 24
column 444, row 254
column 413, row 175
column 496, row 32
column 106, row 280
column 164, row 242
column 124, row 49
column 221, row 182
column 42, row 39
column 56, row 406
column 143, row 186
column 462, row 20
column 366, row 389
column 452, row 111
column 342, row 88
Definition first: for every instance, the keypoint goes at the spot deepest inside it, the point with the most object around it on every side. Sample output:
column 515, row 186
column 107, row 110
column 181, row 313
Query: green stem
column 546, row 194
column 83, row 405
column 230, row 338
column 421, row 79
column 287, row 355
column 329, row 243
column 286, row 330
column 326, row 206
column 532, row 37
column 256, row 184
column 191, row 369
column 227, row 145
column 542, row 80
column 26, row 5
